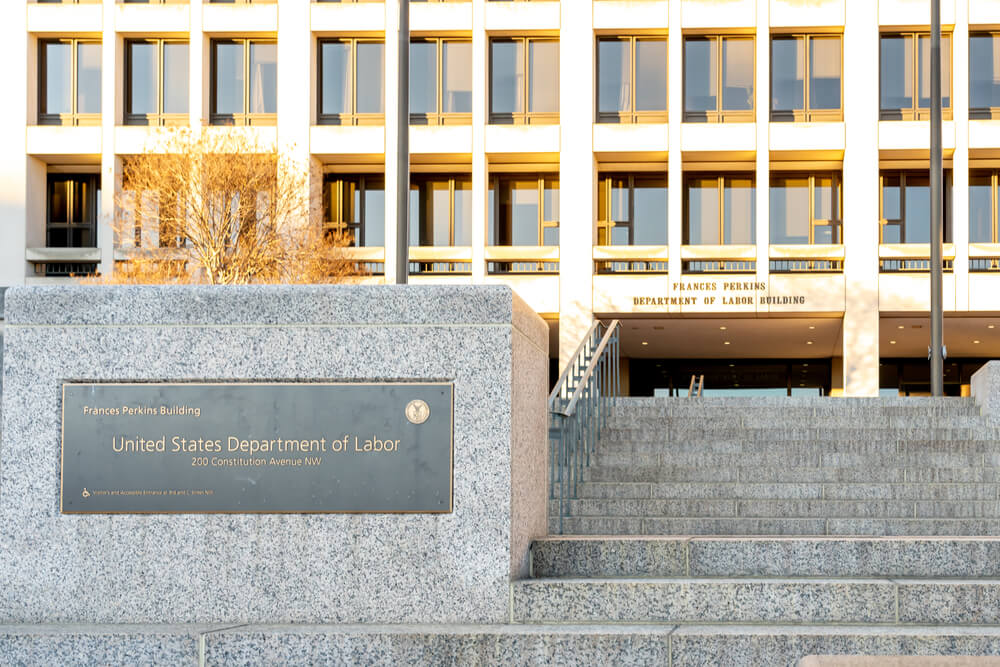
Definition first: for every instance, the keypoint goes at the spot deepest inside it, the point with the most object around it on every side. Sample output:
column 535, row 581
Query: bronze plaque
column 245, row 447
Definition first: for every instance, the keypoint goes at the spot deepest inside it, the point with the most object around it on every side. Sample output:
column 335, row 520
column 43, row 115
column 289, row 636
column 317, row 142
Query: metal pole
column 937, row 210
column 403, row 148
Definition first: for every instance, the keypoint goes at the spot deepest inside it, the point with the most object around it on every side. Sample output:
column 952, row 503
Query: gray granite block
column 684, row 507
column 826, row 508
column 844, row 557
column 281, row 567
column 737, row 491
column 704, row 600
column 85, row 645
column 915, row 527
column 954, row 602
column 778, row 646
column 666, row 473
column 609, row 557
column 924, row 491
column 596, row 525
column 829, row 474
column 741, row 526
column 986, row 389
column 614, row 490
column 526, row 645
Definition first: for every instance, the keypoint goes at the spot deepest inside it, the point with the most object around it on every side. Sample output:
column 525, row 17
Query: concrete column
column 111, row 83
column 960, row 159
column 393, row 189
column 576, row 177
column 480, row 166
column 675, row 112
column 14, row 168
column 762, row 87
column 198, row 64
column 296, row 64
column 861, row 318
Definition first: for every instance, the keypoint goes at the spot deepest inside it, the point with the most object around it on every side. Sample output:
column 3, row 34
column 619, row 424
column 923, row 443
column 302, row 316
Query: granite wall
column 274, row 568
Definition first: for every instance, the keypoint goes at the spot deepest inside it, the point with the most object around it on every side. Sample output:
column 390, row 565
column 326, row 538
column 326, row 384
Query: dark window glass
column 905, row 75
column 58, row 78
column 649, row 211
column 700, row 68
column 711, row 219
column 984, row 71
column 143, row 67
column 632, row 209
column 263, row 77
column 924, row 73
column 905, row 215
column 356, row 205
column 792, row 219
column 714, row 65
column 614, row 75
column 441, row 211
column 897, row 72
column 335, row 92
column 423, row 77
column 507, row 77
column 228, row 77
column 370, row 84
column 788, row 67
column 982, row 228
column 527, row 211
column 73, row 200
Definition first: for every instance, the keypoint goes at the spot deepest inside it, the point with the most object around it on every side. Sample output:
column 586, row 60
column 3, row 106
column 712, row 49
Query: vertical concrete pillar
column 197, row 68
column 861, row 196
column 577, row 176
column 296, row 63
column 393, row 188
column 14, row 168
column 111, row 83
column 762, row 94
column 480, row 166
column 675, row 112
column 959, row 194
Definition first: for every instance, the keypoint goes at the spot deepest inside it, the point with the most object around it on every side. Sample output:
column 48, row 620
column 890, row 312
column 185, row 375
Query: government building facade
column 743, row 183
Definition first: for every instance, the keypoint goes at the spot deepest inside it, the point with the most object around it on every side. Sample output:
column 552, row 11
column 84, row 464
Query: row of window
column 719, row 75
column 805, row 208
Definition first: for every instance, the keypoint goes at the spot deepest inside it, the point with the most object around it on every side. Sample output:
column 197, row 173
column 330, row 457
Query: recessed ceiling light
column 809, row 342
column 892, row 342
column 990, row 326
column 725, row 342
column 900, row 327
column 645, row 343
column 731, row 365
column 805, row 364
column 976, row 342
column 811, row 326
column 802, row 384
column 736, row 384
column 722, row 328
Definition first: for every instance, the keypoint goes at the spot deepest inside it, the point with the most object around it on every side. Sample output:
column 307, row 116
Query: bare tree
column 219, row 207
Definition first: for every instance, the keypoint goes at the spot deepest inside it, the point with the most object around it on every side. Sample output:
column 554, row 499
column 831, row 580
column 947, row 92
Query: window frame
column 74, row 117
column 353, row 117
column 807, row 115
column 721, row 179
column 720, row 115
column 916, row 112
column 416, row 180
column 441, row 117
column 159, row 118
column 631, row 115
column 605, row 222
column 982, row 113
column 994, row 175
column 237, row 119
column 543, row 224
column 74, row 178
column 946, row 230
column 835, row 223
column 339, row 225
column 524, row 117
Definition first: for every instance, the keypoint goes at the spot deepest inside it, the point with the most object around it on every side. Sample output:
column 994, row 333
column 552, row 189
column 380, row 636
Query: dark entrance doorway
column 731, row 377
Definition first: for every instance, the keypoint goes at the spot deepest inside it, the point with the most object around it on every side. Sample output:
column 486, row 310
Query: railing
column 578, row 410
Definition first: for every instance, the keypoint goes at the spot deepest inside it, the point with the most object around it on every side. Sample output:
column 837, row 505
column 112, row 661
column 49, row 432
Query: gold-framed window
column 984, row 75
column 440, row 81
column 806, row 78
column 632, row 79
column 524, row 210
column 719, row 209
column 524, row 80
column 244, row 82
column 719, row 75
column 69, row 82
column 351, row 81
column 156, row 82
column 354, row 204
column 905, row 78
column 984, row 205
column 905, row 203
column 632, row 208
column 806, row 208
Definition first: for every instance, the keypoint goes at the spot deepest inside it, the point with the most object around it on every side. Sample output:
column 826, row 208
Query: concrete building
column 743, row 182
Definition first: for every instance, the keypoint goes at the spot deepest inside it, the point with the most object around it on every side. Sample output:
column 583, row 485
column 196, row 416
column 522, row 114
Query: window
column 905, row 88
column 244, row 82
column 156, row 82
column 805, row 78
column 984, row 206
column 355, row 205
column 719, row 210
column 71, row 210
column 631, row 79
column 440, row 210
column 69, row 87
column 718, row 79
column 632, row 209
column 440, row 82
column 805, row 208
column 524, row 81
column 984, row 75
column 524, row 211
column 352, row 85
column 905, row 205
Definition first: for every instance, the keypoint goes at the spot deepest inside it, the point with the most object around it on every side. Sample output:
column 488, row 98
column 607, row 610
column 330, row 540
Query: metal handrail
column 578, row 410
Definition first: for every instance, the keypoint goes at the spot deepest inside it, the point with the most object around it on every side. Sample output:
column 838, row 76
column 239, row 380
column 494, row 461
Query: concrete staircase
column 791, row 466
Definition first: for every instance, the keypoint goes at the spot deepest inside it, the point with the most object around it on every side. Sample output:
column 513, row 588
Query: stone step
column 814, row 459
column 792, row 433
column 576, row 556
column 761, row 421
column 763, row 445
column 757, row 600
column 773, row 474
column 789, row 490
column 843, row 526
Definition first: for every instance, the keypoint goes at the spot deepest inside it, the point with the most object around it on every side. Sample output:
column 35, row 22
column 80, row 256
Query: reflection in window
column 70, row 85
column 984, row 205
column 351, row 82
column 631, row 79
column 440, row 81
column 805, row 208
column 244, row 82
column 355, row 205
column 72, row 204
column 984, row 76
column 520, row 94
column 719, row 210
column 632, row 209
column 156, row 82
column 905, row 88
column 906, row 205
column 440, row 210
column 527, row 208
column 718, row 79
column 805, row 77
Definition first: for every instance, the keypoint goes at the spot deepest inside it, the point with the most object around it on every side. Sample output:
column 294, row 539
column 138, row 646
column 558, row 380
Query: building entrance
column 731, row 377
